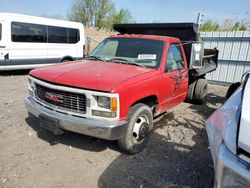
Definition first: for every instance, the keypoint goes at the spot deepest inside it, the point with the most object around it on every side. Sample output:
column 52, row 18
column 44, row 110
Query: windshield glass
column 136, row 51
column 0, row 31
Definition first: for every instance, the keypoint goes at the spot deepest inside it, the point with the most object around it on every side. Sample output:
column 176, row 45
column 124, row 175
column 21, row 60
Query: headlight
column 106, row 106
column 31, row 84
column 103, row 102
column 109, row 103
column 31, row 87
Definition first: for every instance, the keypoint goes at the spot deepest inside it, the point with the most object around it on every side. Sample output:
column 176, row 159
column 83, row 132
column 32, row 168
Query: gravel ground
column 177, row 156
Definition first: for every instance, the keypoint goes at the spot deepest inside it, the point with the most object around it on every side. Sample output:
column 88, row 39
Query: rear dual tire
column 197, row 91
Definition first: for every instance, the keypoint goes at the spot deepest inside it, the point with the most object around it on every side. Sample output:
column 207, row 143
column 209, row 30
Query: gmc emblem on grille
column 53, row 97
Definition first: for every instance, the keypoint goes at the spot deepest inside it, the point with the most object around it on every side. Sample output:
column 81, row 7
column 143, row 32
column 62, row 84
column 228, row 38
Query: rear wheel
column 200, row 91
column 140, row 122
column 190, row 92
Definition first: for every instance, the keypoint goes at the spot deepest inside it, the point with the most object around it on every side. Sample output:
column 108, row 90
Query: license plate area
column 50, row 124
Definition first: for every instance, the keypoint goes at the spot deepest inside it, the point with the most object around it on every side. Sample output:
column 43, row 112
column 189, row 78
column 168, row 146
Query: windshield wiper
column 125, row 61
column 95, row 58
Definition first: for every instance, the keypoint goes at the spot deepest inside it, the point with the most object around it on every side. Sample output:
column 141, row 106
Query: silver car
column 228, row 132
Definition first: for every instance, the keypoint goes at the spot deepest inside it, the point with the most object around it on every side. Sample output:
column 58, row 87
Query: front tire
column 140, row 123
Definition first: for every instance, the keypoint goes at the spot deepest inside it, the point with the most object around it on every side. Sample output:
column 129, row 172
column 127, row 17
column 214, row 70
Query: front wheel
column 140, row 123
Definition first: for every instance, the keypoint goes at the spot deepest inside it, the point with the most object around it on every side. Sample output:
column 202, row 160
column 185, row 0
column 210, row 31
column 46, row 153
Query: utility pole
column 199, row 20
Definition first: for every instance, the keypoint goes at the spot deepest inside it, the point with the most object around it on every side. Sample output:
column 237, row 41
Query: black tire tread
column 190, row 92
column 199, row 92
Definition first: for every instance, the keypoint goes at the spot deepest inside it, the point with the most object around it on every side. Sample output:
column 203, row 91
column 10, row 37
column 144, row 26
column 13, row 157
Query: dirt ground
column 177, row 156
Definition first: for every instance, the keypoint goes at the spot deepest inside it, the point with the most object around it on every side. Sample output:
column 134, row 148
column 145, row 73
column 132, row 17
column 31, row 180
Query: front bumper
column 109, row 130
column 231, row 171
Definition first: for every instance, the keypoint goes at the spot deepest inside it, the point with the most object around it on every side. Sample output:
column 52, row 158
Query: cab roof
column 152, row 37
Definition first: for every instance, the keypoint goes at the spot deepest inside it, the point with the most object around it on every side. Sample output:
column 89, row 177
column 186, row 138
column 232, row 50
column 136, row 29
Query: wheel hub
column 143, row 131
column 141, row 128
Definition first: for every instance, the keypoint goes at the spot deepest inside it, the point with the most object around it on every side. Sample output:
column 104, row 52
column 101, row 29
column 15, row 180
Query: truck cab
column 116, row 91
column 163, row 56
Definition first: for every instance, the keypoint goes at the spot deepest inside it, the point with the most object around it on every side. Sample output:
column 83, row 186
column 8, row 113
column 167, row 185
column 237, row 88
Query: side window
column 26, row 32
column 57, row 34
column 73, row 36
column 175, row 59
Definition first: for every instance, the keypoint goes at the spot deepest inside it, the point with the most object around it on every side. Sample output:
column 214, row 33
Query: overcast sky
column 142, row 10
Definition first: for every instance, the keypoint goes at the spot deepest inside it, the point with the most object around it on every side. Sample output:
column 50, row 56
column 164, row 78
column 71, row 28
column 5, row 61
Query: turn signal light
column 113, row 106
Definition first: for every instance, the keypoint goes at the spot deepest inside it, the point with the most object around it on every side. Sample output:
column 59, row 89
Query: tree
column 98, row 13
column 239, row 26
column 83, row 11
column 123, row 16
column 228, row 25
column 210, row 26
column 105, row 10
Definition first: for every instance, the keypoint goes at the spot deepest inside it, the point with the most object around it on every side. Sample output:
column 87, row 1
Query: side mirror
column 197, row 52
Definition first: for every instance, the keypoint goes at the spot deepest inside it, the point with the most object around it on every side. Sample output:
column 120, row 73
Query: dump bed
column 186, row 32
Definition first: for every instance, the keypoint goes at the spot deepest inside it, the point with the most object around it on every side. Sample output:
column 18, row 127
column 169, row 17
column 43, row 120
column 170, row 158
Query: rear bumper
column 108, row 130
column 231, row 171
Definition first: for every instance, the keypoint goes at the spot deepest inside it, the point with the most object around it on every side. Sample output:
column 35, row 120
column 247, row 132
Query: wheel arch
column 150, row 100
column 70, row 58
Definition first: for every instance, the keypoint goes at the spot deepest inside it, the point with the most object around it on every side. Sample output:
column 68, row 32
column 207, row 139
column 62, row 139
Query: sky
column 142, row 10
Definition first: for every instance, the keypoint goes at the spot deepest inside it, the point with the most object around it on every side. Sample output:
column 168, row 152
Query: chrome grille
column 64, row 100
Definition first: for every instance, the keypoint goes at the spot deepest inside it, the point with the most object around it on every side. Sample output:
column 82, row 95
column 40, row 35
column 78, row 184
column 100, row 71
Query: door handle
column 183, row 73
column 174, row 76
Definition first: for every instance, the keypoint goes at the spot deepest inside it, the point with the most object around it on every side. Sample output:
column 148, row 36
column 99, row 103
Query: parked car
column 127, row 80
column 228, row 132
column 28, row 42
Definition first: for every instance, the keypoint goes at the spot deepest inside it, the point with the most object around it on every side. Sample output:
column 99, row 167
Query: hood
column 222, row 125
column 87, row 74
column 244, row 131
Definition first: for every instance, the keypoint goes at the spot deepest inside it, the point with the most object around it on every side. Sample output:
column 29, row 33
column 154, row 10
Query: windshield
column 136, row 51
column 0, row 31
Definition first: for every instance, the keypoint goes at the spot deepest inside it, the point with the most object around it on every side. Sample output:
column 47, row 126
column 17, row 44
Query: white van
column 27, row 42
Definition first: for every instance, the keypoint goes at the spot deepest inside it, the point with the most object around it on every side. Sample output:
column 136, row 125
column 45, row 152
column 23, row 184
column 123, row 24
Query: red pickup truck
column 116, row 91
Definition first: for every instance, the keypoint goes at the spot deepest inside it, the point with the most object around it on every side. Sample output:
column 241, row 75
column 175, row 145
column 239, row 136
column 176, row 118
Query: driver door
column 175, row 77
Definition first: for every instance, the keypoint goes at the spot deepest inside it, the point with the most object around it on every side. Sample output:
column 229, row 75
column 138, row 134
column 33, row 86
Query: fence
column 234, row 54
